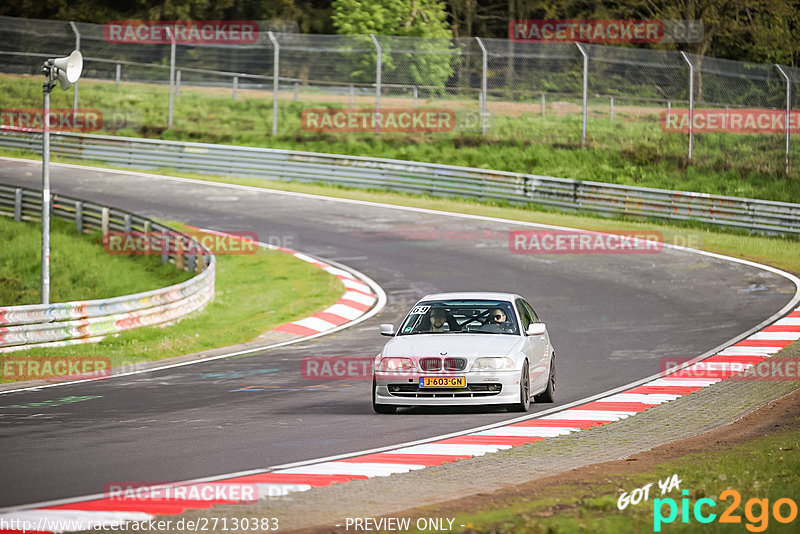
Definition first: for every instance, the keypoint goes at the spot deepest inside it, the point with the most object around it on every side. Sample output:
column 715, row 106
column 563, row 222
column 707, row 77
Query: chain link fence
column 605, row 97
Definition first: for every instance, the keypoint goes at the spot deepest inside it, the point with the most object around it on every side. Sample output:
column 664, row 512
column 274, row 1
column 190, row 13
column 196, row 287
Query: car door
column 538, row 348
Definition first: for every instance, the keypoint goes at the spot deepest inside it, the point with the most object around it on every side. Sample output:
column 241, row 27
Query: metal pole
column 78, row 48
column 178, row 83
column 119, row 73
column 585, row 89
column 296, row 91
column 484, row 65
column 235, row 86
column 45, row 281
column 352, row 95
column 379, row 61
column 691, row 103
column 611, row 113
column 171, row 75
column 275, row 80
column 543, row 104
column 416, row 96
column 788, row 113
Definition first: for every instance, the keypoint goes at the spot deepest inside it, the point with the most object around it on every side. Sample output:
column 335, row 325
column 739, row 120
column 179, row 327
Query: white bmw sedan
column 465, row 349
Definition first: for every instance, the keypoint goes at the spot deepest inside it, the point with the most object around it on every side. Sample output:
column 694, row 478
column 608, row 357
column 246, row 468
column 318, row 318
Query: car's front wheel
column 524, row 390
column 380, row 408
column 549, row 394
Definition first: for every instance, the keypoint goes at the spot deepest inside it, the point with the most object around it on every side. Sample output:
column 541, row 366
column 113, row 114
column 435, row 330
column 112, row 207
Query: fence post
column 171, row 75
column 611, row 113
column 585, row 89
column 79, row 217
column 352, row 94
column 235, row 86
column 119, row 73
column 416, row 96
column 178, row 83
column 104, row 222
column 484, row 65
column 296, row 91
column 18, row 204
column 379, row 63
column 543, row 105
column 127, row 223
column 691, row 103
column 78, row 48
column 275, row 81
column 788, row 113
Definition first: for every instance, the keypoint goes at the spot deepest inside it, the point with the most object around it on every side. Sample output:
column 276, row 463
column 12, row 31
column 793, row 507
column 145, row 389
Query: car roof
column 471, row 295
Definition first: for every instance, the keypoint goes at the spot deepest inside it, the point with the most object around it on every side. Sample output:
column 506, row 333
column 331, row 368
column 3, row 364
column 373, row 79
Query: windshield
column 461, row 316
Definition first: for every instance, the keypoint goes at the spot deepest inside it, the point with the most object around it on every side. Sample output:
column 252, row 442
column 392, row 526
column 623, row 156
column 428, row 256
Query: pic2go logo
column 756, row 511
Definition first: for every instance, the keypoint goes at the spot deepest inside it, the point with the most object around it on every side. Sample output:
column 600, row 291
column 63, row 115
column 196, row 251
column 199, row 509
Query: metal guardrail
column 416, row 177
column 80, row 321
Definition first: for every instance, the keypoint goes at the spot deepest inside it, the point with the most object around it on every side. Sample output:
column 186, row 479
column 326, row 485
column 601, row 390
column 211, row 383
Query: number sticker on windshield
column 419, row 310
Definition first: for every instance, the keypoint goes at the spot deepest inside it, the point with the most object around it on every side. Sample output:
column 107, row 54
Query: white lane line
column 315, row 323
column 346, row 468
column 355, row 296
column 451, row 449
column 749, row 351
column 343, row 310
column 683, row 382
column 775, row 336
column 647, row 398
column 527, row 431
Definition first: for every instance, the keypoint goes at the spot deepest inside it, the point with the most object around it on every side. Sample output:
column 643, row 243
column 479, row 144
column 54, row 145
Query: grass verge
column 79, row 267
column 254, row 293
column 631, row 150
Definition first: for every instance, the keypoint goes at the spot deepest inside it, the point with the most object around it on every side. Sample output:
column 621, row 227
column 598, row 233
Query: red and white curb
column 89, row 512
column 356, row 301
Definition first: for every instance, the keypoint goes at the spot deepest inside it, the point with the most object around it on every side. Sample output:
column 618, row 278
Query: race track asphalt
column 612, row 318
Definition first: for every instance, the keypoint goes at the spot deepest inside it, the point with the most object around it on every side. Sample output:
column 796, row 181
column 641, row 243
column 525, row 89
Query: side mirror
column 387, row 330
column 536, row 329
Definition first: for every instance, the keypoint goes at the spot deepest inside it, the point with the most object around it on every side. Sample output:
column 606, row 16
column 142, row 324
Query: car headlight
column 395, row 365
column 492, row 363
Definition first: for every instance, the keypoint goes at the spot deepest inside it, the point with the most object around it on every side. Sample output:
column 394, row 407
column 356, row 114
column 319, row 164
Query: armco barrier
column 429, row 178
column 84, row 320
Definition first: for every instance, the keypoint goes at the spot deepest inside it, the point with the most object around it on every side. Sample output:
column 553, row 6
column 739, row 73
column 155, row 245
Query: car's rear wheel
column 380, row 408
column 549, row 394
column 524, row 390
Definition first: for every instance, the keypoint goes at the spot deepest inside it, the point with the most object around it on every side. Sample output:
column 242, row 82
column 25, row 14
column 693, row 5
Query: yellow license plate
column 442, row 381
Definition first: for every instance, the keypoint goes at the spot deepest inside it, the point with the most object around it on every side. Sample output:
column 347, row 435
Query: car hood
column 465, row 345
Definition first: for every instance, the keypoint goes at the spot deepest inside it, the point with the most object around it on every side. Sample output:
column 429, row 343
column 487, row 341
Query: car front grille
column 472, row 390
column 434, row 365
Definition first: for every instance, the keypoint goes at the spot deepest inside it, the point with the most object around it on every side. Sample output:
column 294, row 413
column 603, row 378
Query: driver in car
column 499, row 318
column 438, row 318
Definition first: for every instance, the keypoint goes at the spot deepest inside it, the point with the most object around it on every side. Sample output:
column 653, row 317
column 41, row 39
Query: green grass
column 254, row 293
column 79, row 267
column 632, row 150
column 766, row 468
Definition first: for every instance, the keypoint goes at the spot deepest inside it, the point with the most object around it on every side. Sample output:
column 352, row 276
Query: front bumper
column 498, row 387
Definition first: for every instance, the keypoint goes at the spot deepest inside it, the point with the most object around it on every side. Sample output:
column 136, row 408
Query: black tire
column 381, row 408
column 549, row 394
column 524, row 390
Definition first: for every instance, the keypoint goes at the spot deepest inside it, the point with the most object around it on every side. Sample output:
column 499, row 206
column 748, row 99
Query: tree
column 419, row 62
